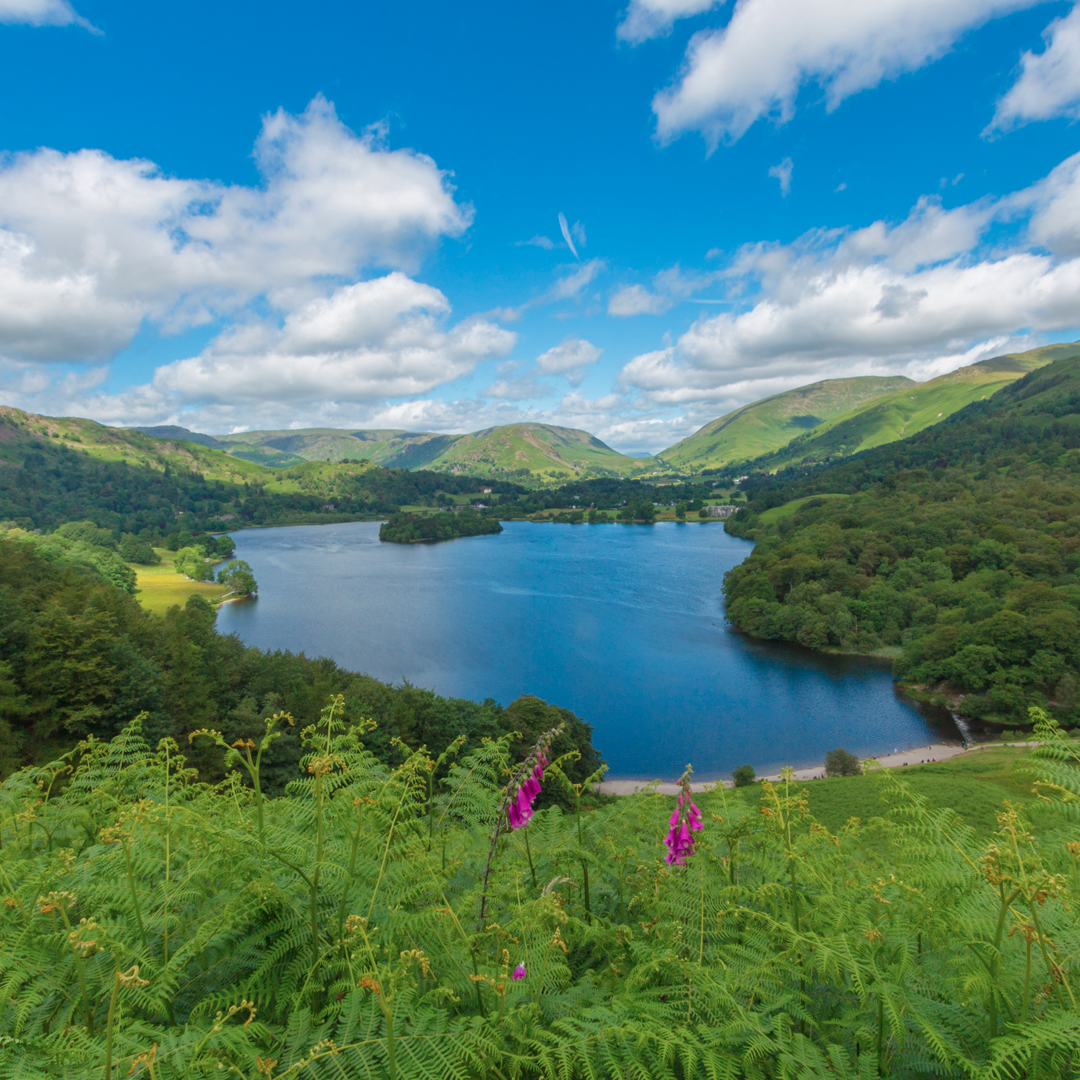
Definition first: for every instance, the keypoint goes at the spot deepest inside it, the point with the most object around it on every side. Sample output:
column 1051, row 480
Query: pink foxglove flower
column 685, row 821
column 525, row 787
column 518, row 972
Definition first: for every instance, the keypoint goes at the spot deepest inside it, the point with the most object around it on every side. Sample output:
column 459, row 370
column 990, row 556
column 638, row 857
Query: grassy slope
column 778, row 513
column 159, row 587
column 974, row 784
column 547, row 452
column 391, row 448
column 910, row 410
column 773, row 422
column 544, row 451
column 127, row 444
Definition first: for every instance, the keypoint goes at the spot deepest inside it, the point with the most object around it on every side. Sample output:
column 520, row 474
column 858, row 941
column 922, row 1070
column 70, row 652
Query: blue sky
column 249, row 216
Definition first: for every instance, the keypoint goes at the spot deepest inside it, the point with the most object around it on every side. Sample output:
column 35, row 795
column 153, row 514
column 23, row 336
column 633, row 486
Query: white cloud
column 637, row 300
column 645, row 19
column 782, row 172
column 565, row 230
column 91, row 246
column 376, row 339
column 884, row 299
column 570, row 358
column 520, row 389
column 754, row 66
column 539, row 241
column 1049, row 82
column 43, row 13
column 571, row 285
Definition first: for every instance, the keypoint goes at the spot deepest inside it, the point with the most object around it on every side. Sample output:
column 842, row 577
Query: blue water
column 622, row 624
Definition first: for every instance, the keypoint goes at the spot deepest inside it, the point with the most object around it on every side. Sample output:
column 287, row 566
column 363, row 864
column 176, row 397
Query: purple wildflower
column 685, row 820
column 518, row 972
column 523, row 790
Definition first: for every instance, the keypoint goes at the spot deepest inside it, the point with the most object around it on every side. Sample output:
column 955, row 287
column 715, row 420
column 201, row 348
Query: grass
column 771, row 423
column 975, row 785
column 160, row 587
column 778, row 513
column 911, row 409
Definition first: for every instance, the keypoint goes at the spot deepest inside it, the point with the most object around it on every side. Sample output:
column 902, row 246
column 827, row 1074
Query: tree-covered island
column 421, row 528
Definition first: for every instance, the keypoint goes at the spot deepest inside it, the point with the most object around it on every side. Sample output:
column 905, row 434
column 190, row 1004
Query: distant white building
column 725, row 510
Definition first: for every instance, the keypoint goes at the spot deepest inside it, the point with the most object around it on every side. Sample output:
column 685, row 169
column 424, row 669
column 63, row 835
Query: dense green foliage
column 239, row 577
column 155, row 926
column 448, row 525
column 958, row 548
column 80, row 657
column 44, row 484
column 841, row 762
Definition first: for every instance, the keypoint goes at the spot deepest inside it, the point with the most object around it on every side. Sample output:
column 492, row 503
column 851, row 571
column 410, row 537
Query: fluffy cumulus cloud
column 1049, row 82
column 42, row 13
column 755, row 65
column 91, row 246
column 376, row 339
column 570, row 358
column 913, row 297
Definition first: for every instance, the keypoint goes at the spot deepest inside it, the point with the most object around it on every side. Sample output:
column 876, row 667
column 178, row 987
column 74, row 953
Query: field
column 160, row 587
column 778, row 513
column 975, row 785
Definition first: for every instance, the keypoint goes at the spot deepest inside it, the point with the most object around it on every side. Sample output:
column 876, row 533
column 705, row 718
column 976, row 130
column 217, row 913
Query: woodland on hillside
column 79, row 658
column 958, row 548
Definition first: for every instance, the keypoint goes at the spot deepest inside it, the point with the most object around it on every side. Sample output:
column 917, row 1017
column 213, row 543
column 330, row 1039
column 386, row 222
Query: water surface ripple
column 622, row 624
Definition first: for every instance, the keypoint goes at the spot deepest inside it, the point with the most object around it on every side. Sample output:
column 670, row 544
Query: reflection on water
column 621, row 624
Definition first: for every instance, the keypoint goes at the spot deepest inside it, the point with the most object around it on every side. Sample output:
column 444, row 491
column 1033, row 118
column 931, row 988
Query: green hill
column 19, row 429
column 529, row 451
column 910, row 410
column 773, row 422
column 953, row 550
column 542, row 451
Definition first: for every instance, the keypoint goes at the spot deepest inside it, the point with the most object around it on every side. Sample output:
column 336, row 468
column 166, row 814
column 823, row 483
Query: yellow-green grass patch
column 159, row 587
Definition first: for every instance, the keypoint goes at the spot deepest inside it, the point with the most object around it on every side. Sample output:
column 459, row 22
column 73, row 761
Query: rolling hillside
column 772, row 423
column 910, row 410
column 128, row 445
column 545, row 452
column 537, row 451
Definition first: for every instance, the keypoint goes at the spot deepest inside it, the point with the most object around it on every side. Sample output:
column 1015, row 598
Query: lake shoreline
column 919, row 755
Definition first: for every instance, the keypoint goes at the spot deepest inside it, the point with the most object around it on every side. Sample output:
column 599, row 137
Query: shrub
column 744, row 776
column 839, row 762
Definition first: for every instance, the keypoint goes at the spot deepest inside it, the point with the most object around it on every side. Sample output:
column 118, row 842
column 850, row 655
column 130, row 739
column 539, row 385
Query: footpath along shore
column 916, row 756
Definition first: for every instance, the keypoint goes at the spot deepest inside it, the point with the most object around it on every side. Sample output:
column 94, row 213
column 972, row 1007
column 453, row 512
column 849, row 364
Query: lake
column 622, row 624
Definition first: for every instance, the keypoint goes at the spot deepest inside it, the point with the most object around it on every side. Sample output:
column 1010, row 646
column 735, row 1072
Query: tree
column 744, row 776
column 839, row 762
column 238, row 576
column 191, row 562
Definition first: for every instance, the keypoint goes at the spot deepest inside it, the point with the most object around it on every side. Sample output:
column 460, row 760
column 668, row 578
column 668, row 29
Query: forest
column 80, row 658
column 956, row 551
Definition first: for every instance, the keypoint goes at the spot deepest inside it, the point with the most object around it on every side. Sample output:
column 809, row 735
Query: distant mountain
column 910, row 410
column 773, row 422
column 541, row 451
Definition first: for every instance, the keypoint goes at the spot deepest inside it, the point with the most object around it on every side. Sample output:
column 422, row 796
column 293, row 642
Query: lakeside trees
column 80, row 657
column 958, row 550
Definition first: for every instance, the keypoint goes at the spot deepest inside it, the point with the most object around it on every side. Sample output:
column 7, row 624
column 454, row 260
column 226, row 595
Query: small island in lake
column 448, row 525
